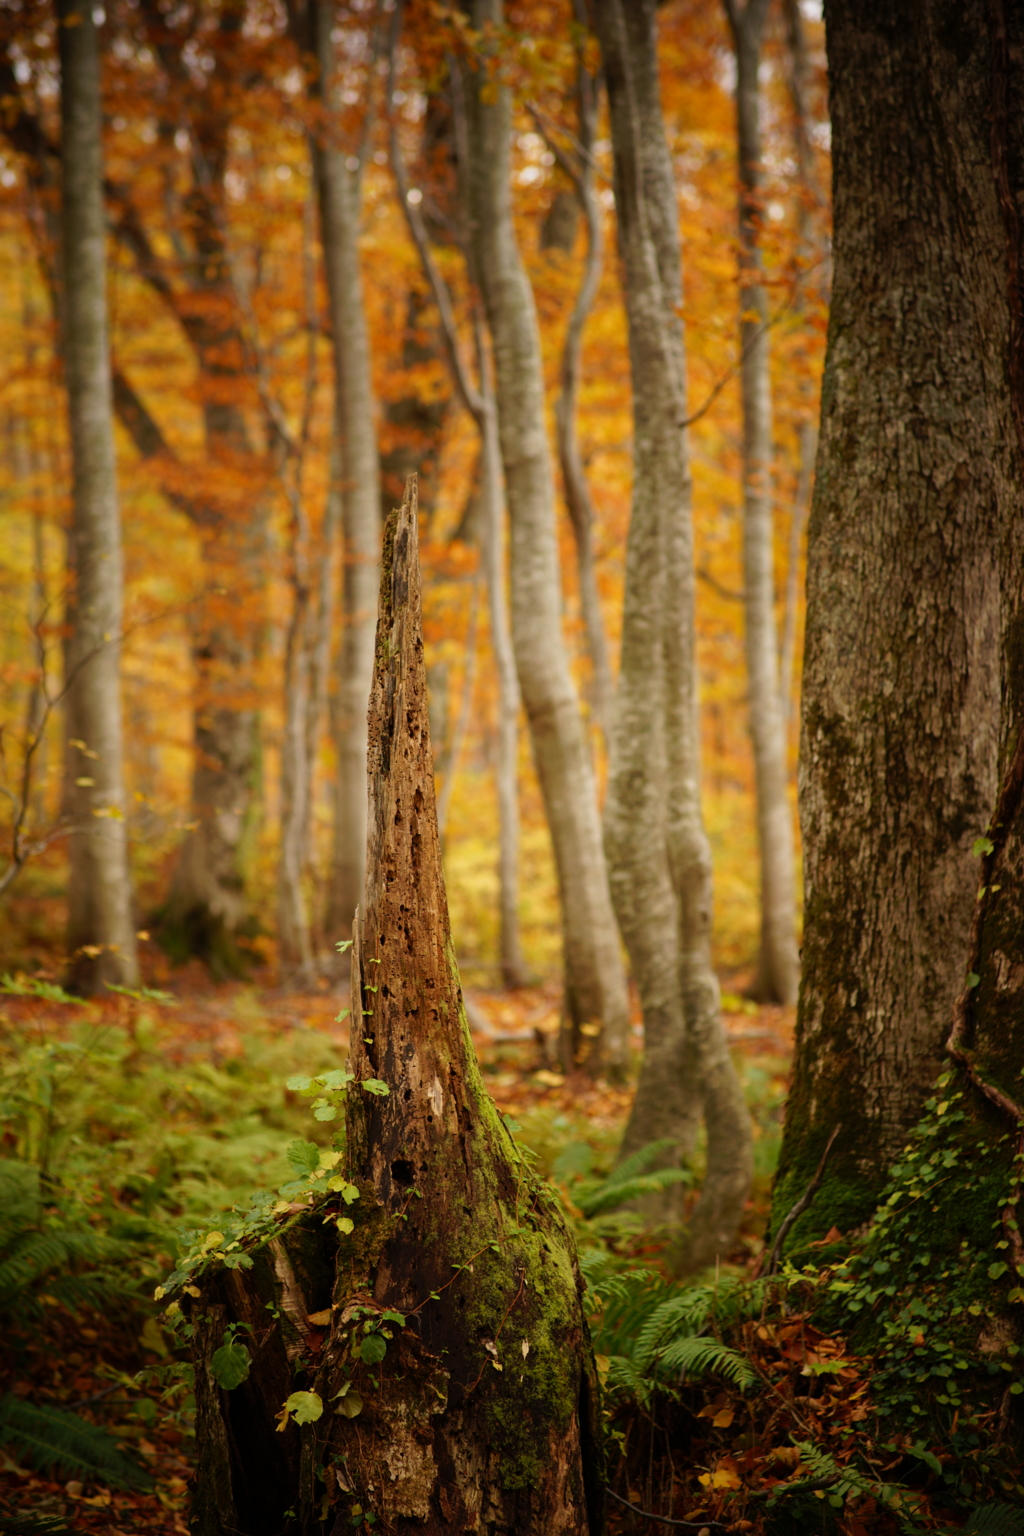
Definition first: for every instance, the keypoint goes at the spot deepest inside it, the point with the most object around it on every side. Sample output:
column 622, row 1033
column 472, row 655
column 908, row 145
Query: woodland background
column 272, row 238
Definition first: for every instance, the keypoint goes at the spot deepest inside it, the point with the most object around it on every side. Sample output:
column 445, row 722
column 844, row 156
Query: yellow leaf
column 85, row 783
column 159, row 1293
column 724, row 1419
column 212, row 1240
column 346, row 1224
column 319, row 1319
column 724, row 1476
column 192, row 1290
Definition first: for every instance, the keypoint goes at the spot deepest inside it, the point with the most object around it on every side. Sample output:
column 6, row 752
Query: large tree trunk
column 918, row 500
column 779, row 966
column 659, row 855
column 481, row 1415
column 101, row 933
column 339, row 190
column 594, row 977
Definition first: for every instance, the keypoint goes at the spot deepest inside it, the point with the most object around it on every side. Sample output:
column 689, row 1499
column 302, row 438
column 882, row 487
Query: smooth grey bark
column 594, row 977
column 298, row 753
column 339, row 190
column 911, row 604
column 478, row 397
column 659, row 855
column 779, row 965
column 101, row 934
column 579, row 502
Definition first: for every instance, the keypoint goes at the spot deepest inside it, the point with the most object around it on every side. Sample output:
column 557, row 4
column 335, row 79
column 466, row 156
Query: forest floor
column 165, row 1112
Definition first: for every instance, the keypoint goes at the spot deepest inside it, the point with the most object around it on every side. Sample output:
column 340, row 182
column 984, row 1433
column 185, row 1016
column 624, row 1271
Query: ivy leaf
column 373, row 1349
column 325, row 1112
column 351, row 1405
column 973, row 979
column 230, row 1364
column 304, row 1407
column 374, row 1085
column 982, row 847
column 339, row 1078
column 304, row 1156
column 299, row 1084
column 995, row 1270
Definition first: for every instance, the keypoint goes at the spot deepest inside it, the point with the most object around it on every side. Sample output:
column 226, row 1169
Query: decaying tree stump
column 438, row 1348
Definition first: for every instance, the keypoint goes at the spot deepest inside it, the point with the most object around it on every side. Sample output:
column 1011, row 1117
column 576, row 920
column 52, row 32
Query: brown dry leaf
column 724, row 1419
column 833, row 1235
column 319, row 1319
column 783, row 1456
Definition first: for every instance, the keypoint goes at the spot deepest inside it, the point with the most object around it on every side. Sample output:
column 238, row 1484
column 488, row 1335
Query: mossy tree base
column 437, row 1317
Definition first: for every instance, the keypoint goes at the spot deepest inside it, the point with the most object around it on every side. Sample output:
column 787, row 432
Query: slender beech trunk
column 595, row 981
column 298, row 751
column 340, row 193
column 513, row 966
column 578, row 499
column 483, row 1415
column 101, row 933
column 779, row 974
column 478, row 398
column 658, row 851
column 911, row 601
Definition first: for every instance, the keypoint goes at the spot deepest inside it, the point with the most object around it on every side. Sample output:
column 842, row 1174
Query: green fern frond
column 682, row 1314
column 994, row 1520
column 53, row 1439
column 703, row 1356
column 623, row 1378
column 638, row 1162
column 608, row 1195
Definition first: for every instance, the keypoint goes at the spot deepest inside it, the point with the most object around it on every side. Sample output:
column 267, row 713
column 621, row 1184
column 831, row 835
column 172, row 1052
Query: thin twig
column 800, row 1206
column 646, row 1514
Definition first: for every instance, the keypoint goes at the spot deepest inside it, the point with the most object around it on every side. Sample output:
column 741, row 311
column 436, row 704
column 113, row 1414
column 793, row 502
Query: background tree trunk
column 659, row 855
column 340, row 193
column 484, row 1416
column 594, row 977
column 779, row 965
column 101, row 932
column 479, row 401
column 578, row 499
column 918, row 496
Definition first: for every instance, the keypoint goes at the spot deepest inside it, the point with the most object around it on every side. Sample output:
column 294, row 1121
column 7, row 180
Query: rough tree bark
column 809, row 252
column 779, row 964
column 482, row 1414
column 101, row 933
column 339, row 188
column 913, row 578
column 594, row 976
column 658, row 851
